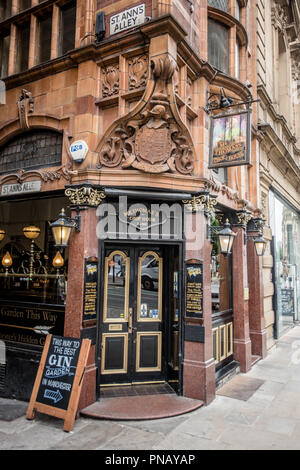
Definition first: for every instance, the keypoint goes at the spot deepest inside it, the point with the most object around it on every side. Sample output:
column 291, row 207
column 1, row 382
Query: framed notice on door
column 194, row 290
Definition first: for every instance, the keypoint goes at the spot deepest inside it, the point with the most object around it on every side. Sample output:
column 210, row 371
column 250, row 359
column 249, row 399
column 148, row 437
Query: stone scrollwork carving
column 25, row 107
column 154, row 139
column 110, row 84
column 85, row 196
column 137, row 72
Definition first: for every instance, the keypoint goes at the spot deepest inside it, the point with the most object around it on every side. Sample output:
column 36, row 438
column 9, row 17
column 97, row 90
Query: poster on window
column 230, row 139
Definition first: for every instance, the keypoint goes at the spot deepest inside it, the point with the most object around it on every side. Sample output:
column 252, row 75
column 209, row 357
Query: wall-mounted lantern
column 62, row 228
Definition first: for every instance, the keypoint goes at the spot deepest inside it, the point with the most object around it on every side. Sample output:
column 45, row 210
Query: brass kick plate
column 115, row 327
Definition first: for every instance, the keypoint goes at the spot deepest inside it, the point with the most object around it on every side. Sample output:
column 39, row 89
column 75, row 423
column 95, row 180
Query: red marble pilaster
column 242, row 342
column 256, row 307
column 199, row 364
column 82, row 245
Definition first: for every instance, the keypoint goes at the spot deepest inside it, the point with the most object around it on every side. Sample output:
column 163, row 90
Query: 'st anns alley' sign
column 127, row 19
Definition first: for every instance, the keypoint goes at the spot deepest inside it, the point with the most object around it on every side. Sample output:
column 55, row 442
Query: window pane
column 237, row 59
column 220, row 279
column 237, row 10
column 23, row 36
column 220, row 4
column 116, row 287
column 4, row 53
column 67, row 28
column 218, row 46
column 24, row 4
column 44, row 39
column 5, row 9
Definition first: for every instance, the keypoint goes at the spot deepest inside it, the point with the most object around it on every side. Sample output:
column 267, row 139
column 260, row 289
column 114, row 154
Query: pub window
column 31, row 274
column 5, row 9
column 31, row 150
column 221, row 278
column 24, row 5
column 67, row 28
column 4, row 53
column 218, row 45
column 44, row 34
column 23, row 36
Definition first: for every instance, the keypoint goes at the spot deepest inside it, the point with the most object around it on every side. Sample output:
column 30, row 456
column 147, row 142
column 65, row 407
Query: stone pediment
column 152, row 138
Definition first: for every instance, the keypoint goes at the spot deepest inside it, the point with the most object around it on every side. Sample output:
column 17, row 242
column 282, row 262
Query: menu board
column 194, row 290
column 58, row 382
column 90, row 290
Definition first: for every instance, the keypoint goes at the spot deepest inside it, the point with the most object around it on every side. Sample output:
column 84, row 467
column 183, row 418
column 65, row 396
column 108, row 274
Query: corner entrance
column 140, row 315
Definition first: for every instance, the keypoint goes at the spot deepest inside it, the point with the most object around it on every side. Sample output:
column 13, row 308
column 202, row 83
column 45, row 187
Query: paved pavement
column 268, row 418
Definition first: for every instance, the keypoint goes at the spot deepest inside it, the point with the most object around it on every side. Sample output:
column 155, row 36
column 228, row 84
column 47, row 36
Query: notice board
column 58, row 383
column 194, row 290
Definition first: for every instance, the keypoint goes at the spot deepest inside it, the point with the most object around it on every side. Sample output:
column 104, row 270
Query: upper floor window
column 67, row 28
column 4, row 54
column 24, row 4
column 218, row 45
column 23, row 36
column 237, row 10
column 44, row 32
column 5, row 9
column 220, row 4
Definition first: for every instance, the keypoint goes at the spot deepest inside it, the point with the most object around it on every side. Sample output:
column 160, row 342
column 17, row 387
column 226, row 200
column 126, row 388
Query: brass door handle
column 130, row 320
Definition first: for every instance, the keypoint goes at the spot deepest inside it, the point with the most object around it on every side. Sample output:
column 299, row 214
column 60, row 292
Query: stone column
column 199, row 364
column 83, row 245
column 242, row 342
column 256, row 301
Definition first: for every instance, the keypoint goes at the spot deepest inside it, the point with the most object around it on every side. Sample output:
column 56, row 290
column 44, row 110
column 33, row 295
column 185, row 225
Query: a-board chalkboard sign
column 287, row 301
column 58, row 382
column 194, row 290
column 90, row 290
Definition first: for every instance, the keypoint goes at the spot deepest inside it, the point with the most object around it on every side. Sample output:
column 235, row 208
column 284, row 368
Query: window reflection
column 116, row 286
column 220, row 280
column 150, row 286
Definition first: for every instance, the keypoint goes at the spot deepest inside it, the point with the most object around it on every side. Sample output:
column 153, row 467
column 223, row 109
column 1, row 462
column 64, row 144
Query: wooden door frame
column 120, row 244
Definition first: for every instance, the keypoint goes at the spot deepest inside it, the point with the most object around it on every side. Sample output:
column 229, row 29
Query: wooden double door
column 140, row 314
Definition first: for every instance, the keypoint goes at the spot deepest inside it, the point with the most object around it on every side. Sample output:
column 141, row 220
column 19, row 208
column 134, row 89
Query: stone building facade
column 278, row 88
column 140, row 86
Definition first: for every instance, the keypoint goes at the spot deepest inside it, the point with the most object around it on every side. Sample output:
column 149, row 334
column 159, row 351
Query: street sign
column 58, row 382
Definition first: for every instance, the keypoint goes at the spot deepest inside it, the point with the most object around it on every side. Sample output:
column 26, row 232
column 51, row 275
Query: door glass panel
column 116, row 288
column 149, row 287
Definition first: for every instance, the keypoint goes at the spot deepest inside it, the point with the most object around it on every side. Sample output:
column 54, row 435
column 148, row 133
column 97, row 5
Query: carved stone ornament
column 152, row 138
column 110, row 83
column 85, row 196
column 137, row 72
column 202, row 202
column 244, row 217
column 25, row 107
column 196, row 204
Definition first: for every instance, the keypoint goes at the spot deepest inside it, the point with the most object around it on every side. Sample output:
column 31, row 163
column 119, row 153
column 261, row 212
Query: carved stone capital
column 243, row 218
column 196, row 204
column 85, row 196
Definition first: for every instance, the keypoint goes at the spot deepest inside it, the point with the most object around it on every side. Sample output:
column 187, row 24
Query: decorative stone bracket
column 25, row 107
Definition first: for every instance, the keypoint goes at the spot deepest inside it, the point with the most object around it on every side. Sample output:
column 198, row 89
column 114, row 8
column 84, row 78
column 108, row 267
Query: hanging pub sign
column 230, row 137
column 58, row 382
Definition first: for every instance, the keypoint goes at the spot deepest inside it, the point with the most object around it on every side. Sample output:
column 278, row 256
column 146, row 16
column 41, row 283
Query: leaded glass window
column 220, row 4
